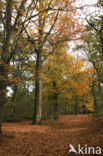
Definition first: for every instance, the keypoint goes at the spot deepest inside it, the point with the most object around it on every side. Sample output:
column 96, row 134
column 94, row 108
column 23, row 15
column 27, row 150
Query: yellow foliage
column 70, row 75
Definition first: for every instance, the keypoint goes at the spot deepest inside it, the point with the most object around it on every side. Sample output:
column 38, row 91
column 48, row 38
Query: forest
column 51, row 77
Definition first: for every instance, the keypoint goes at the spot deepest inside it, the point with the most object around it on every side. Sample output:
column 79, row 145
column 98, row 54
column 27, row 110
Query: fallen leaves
column 50, row 138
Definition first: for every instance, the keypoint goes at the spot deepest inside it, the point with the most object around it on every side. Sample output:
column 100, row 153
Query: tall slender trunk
column 2, row 102
column 2, row 93
column 1, row 114
column 55, row 104
column 94, row 99
column 76, row 105
column 4, row 63
column 38, row 92
column 55, row 108
column 38, row 74
column 100, row 99
column 13, row 101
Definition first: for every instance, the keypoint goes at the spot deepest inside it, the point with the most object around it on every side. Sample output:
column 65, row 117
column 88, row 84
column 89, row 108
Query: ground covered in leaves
column 51, row 138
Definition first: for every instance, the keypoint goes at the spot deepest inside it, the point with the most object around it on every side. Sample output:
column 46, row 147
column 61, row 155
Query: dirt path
column 51, row 138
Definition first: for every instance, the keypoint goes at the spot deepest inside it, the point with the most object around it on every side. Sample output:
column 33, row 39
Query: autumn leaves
column 37, row 33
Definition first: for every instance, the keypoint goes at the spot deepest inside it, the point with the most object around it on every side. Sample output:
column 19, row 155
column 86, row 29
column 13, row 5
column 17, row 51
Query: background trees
column 65, row 80
column 14, row 16
column 33, row 48
column 93, row 47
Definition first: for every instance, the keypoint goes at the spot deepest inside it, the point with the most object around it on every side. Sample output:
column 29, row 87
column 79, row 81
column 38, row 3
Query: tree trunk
column 1, row 111
column 94, row 99
column 84, row 109
column 13, row 101
column 76, row 105
column 56, row 109
column 2, row 101
column 4, row 63
column 38, row 92
column 55, row 104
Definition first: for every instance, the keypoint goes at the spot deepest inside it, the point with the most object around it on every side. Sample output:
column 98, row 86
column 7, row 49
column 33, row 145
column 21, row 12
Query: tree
column 54, row 24
column 67, row 77
column 14, row 16
column 93, row 46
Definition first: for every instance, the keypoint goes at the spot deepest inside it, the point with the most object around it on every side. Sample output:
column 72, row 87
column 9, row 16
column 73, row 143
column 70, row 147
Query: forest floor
column 51, row 138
